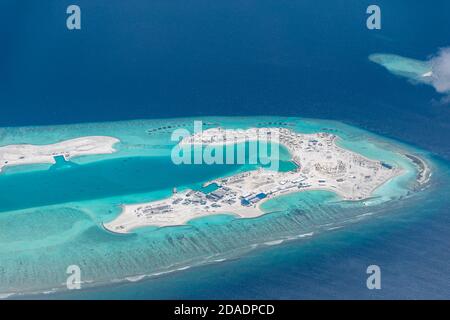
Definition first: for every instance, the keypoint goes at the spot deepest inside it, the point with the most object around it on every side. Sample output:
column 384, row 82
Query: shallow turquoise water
column 293, row 58
column 52, row 217
column 410, row 244
column 101, row 179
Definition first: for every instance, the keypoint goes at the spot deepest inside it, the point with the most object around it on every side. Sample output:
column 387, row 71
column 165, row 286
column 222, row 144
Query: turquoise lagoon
column 51, row 215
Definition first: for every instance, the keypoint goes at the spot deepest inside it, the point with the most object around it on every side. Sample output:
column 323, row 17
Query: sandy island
column 322, row 165
column 20, row 154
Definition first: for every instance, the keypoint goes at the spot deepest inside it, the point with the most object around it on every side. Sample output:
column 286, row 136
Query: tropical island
column 23, row 154
column 320, row 165
column 106, row 208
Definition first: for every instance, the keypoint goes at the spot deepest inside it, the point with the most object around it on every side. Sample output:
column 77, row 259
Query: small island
column 23, row 154
column 320, row 165
column 106, row 192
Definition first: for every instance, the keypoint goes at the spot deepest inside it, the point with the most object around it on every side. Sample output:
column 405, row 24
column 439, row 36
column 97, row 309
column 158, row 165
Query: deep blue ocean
column 162, row 59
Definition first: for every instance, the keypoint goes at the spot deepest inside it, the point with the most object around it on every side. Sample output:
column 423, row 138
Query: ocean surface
column 168, row 59
column 51, row 216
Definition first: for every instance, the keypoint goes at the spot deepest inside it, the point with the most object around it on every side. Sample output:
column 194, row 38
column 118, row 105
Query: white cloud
column 440, row 65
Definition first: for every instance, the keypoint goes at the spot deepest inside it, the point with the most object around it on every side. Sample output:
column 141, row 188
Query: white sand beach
column 20, row 154
column 322, row 165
